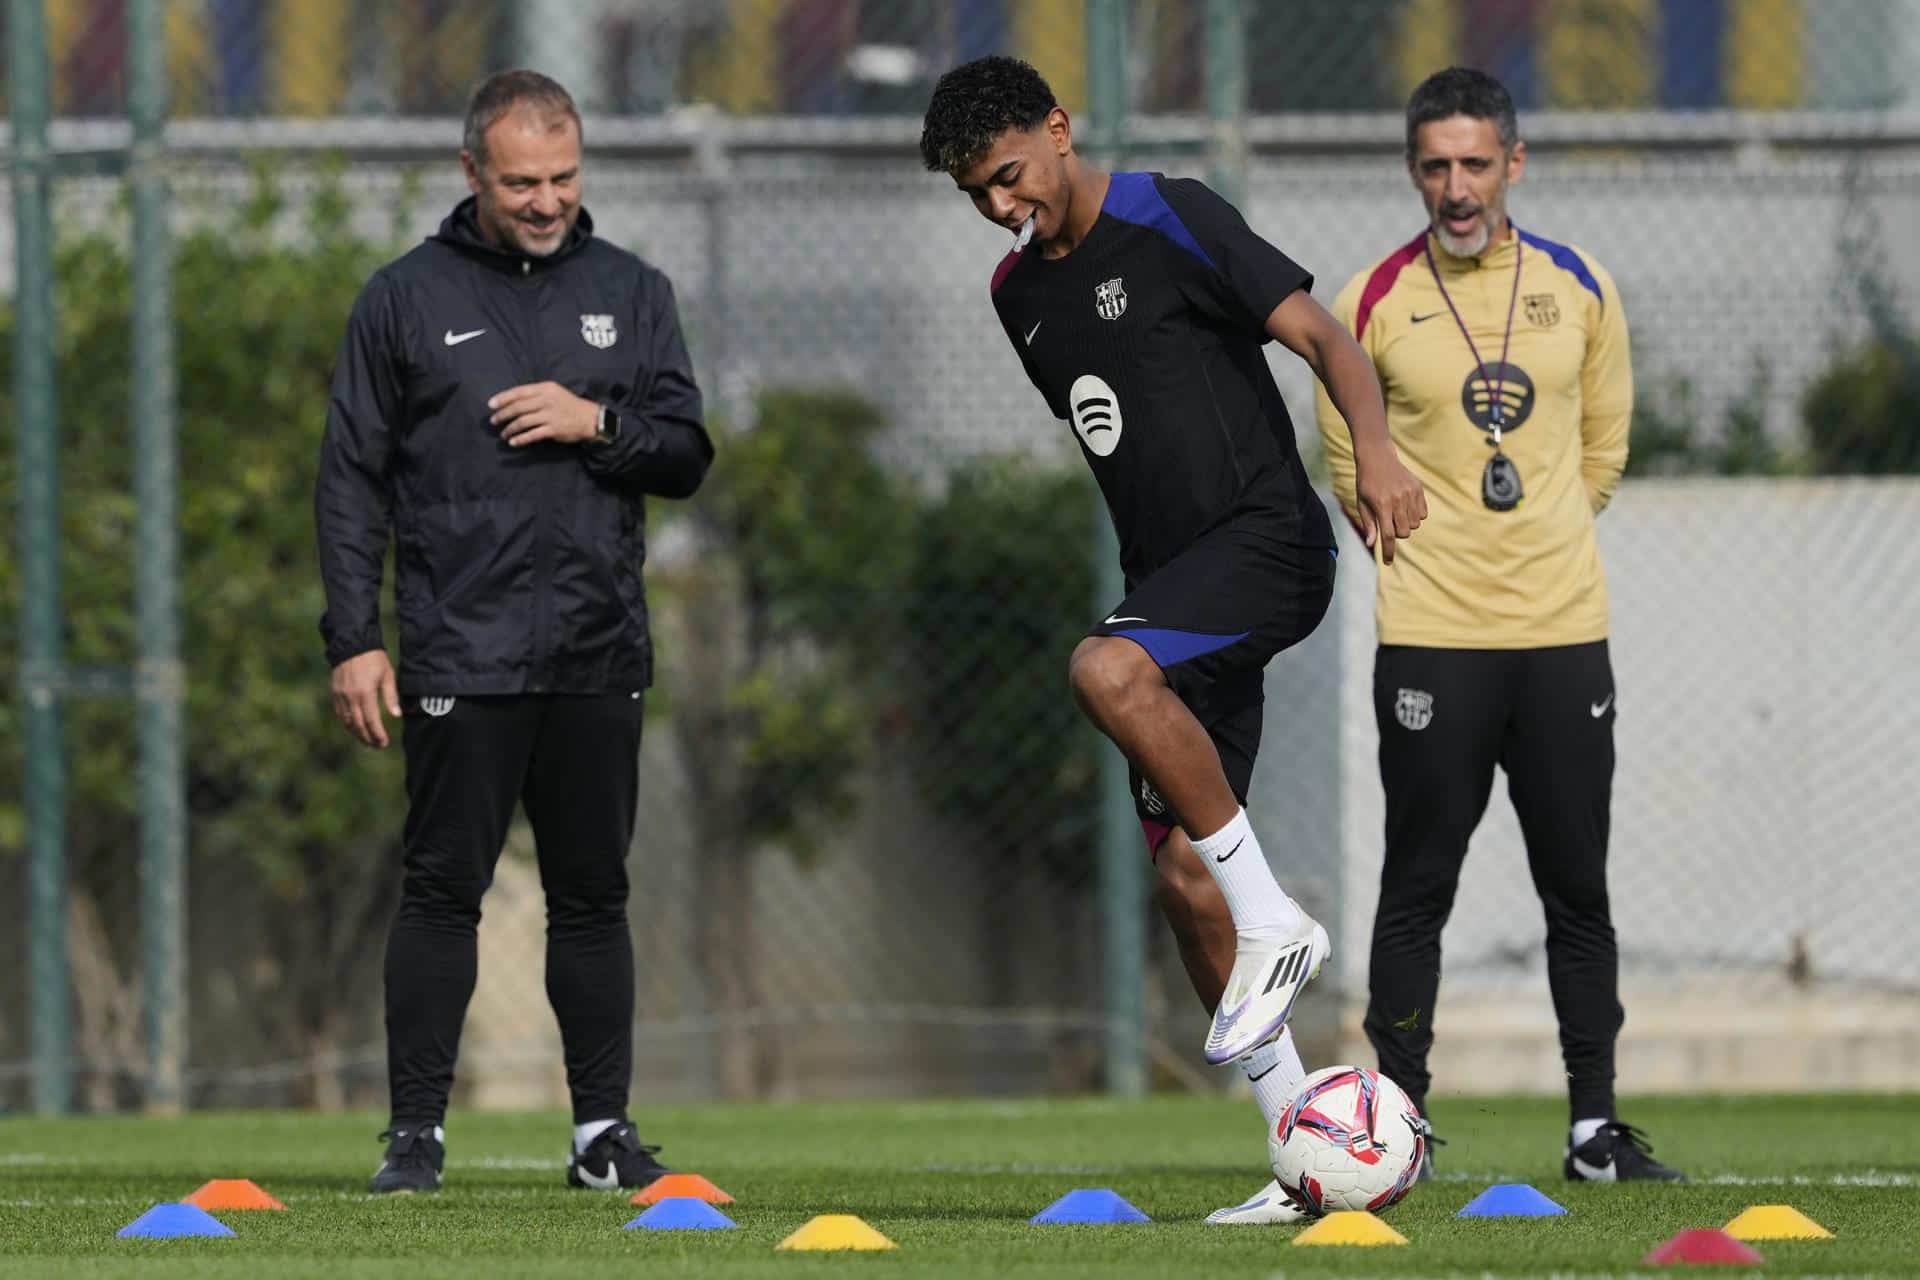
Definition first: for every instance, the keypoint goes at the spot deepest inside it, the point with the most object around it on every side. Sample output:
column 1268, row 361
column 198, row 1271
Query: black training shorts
column 1212, row 618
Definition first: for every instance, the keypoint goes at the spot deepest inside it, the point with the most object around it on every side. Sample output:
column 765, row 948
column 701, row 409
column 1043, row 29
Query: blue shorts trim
column 1170, row 648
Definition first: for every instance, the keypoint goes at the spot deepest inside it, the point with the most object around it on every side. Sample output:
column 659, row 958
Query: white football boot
column 1269, row 1208
column 1268, row 976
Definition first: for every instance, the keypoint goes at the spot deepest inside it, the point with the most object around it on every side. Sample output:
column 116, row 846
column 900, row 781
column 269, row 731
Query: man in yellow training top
column 1504, row 360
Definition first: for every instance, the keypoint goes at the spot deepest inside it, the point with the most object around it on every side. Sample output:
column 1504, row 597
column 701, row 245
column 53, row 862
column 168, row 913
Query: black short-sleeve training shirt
column 1147, row 338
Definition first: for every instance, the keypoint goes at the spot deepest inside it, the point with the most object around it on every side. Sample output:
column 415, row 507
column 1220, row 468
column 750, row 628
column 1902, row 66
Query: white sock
column 1259, row 906
column 1275, row 1072
column 1584, row 1129
column 584, row 1134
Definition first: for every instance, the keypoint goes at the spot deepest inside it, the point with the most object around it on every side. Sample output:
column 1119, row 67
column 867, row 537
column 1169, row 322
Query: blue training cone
column 1510, row 1200
column 681, row 1213
column 166, row 1221
column 1089, row 1204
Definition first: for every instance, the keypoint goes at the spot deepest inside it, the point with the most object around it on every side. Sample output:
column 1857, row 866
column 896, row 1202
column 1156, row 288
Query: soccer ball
column 1350, row 1139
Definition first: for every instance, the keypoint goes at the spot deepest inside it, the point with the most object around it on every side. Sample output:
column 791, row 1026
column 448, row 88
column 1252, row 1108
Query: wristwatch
column 606, row 429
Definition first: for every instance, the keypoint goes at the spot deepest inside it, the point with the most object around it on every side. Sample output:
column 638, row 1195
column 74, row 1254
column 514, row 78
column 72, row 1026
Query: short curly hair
column 974, row 104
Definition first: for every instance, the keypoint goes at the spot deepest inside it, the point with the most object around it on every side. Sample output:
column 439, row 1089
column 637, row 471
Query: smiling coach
column 506, row 396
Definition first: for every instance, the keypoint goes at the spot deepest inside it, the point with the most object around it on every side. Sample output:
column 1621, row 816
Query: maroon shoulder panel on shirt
column 1381, row 281
column 1005, row 269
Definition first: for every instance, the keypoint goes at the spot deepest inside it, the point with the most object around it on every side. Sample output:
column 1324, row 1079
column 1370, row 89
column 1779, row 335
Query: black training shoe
column 1426, row 1160
column 1618, row 1153
column 414, row 1160
column 614, row 1161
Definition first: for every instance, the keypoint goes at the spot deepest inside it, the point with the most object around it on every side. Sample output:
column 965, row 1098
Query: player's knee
column 1105, row 672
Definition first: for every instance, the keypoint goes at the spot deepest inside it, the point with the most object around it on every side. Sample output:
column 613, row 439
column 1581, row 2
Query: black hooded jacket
column 516, row 570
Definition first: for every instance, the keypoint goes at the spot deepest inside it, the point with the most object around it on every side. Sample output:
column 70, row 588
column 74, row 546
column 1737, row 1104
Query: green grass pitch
column 953, row 1183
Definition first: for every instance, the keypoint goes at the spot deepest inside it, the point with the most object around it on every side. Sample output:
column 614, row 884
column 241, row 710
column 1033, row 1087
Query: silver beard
column 1471, row 247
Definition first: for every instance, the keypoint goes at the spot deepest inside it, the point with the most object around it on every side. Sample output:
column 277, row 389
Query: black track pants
column 1446, row 717
column 573, row 761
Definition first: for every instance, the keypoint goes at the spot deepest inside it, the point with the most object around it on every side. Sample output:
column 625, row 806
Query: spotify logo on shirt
column 1096, row 414
column 1506, row 384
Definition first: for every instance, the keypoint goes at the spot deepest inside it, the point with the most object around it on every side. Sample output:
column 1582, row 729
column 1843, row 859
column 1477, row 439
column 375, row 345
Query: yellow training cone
column 1776, row 1222
column 1350, row 1226
column 836, row 1231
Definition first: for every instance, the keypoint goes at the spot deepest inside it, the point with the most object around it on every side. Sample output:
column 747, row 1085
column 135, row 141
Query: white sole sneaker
column 1268, row 976
column 1268, row 1209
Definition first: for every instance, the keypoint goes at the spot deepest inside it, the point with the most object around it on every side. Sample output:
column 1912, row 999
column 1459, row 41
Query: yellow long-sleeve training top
column 1473, row 577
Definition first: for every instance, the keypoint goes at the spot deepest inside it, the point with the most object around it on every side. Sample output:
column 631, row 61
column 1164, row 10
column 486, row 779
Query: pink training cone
column 1703, row 1246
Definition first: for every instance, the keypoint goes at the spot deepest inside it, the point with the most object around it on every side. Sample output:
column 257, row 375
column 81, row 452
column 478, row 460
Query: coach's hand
column 1392, row 503
column 536, row 411
column 362, row 685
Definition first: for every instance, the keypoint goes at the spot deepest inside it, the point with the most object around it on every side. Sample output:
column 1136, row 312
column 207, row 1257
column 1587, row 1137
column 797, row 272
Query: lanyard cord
column 1494, row 384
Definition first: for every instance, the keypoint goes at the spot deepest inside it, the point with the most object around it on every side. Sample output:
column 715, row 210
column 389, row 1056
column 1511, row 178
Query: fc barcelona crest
column 1110, row 300
column 1413, row 708
column 1543, row 310
column 1150, row 799
column 599, row 331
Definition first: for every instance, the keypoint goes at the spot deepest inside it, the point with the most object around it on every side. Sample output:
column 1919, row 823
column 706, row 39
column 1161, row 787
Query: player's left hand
column 1392, row 501
column 537, row 411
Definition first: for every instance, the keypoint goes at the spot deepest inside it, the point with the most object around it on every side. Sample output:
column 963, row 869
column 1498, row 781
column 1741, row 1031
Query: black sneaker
column 1426, row 1160
column 414, row 1160
column 614, row 1161
column 1618, row 1153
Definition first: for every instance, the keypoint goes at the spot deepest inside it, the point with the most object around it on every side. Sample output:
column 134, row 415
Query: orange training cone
column 668, row 1185
column 232, row 1193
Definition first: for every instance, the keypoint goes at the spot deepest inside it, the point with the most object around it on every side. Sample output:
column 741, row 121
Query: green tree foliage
column 815, row 532
column 876, row 616
column 278, row 796
column 1863, row 413
column 1002, row 590
column 1670, row 435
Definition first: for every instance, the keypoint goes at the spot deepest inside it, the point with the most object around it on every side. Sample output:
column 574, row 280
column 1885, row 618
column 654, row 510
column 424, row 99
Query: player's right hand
column 362, row 686
column 1392, row 501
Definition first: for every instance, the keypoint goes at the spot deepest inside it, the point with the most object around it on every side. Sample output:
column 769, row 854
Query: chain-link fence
column 869, row 849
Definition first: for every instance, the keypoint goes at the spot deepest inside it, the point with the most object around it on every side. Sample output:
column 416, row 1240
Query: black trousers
column 1545, row 716
column 574, row 762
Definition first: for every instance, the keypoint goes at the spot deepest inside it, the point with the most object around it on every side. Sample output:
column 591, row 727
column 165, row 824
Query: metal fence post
column 1226, row 43
column 37, row 455
column 157, row 680
column 1123, row 866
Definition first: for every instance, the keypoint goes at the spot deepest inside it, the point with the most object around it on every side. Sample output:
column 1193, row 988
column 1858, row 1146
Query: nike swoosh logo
column 1423, row 319
column 608, row 1181
column 1034, row 330
column 455, row 339
column 1600, row 708
column 1112, row 621
column 1229, row 853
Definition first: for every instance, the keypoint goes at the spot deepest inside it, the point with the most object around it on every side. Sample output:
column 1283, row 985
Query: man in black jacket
column 506, row 395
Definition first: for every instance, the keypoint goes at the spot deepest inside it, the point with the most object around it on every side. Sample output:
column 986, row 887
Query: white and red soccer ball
column 1350, row 1139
